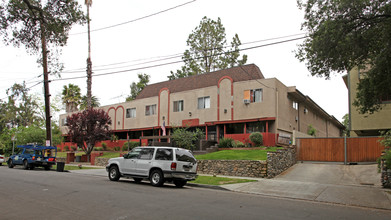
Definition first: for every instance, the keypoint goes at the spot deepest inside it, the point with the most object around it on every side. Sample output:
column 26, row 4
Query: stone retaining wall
column 281, row 160
column 385, row 173
column 99, row 161
column 277, row 162
column 246, row 168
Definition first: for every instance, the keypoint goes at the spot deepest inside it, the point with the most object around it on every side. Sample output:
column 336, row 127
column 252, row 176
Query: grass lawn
column 236, row 155
column 210, row 180
column 111, row 154
column 64, row 154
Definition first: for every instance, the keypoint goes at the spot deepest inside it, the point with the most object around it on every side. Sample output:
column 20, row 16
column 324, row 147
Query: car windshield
column 185, row 156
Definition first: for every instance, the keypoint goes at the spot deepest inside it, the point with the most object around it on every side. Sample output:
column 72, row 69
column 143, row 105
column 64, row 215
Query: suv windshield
column 184, row 155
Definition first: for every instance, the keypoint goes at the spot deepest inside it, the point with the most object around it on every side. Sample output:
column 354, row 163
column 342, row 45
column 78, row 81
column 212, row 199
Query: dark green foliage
column 136, row 88
column 345, row 34
column 130, row 145
column 104, row 146
column 207, row 52
column 238, row 144
column 117, row 148
column 66, row 148
column 226, row 143
column 311, row 130
column 256, row 138
column 185, row 138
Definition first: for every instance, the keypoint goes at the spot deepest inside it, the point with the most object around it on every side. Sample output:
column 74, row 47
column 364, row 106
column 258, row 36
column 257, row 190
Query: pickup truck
column 32, row 156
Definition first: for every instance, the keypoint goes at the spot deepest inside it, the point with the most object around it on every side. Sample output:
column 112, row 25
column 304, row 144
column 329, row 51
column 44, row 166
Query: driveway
column 355, row 185
column 333, row 174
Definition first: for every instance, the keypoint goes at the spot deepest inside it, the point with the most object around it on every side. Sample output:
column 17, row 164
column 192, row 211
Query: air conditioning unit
column 246, row 101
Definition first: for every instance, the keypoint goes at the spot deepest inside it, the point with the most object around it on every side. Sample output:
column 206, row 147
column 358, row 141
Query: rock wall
column 281, row 160
column 385, row 173
column 99, row 161
column 245, row 168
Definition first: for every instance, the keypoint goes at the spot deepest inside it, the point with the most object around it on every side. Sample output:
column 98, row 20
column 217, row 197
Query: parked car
column 32, row 156
column 1, row 159
column 156, row 164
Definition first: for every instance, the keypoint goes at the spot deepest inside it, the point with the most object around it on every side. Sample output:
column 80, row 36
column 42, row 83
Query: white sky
column 166, row 34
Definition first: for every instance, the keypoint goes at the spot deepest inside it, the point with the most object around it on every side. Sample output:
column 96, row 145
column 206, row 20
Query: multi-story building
column 227, row 103
column 365, row 124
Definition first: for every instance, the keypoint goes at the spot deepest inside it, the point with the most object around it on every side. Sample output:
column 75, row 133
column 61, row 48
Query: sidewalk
column 369, row 196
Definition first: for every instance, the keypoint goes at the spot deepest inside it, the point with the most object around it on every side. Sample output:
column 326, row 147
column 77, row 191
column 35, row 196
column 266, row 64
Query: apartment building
column 228, row 103
column 365, row 124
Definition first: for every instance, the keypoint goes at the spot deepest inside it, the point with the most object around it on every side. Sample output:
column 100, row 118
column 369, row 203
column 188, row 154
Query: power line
column 174, row 62
column 137, row 19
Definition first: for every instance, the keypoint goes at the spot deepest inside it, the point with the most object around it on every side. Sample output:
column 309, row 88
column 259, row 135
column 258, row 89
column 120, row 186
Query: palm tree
column 71, row 97
column 84, row 104
column 88, row 3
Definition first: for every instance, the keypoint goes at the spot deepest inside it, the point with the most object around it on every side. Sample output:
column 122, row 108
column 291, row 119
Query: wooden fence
column 349, row 150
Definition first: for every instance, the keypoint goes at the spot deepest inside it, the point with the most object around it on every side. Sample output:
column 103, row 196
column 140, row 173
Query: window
column 184, row 156
column 150, row 110
column 204, row 102
column 178, row 106
column 295, row 105
column 164, row 154
column 131, row 113
column 146, row 154
column 253, row 95
column 64, row 122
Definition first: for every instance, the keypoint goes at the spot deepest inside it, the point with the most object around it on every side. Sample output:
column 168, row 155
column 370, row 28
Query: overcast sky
column 129, row 48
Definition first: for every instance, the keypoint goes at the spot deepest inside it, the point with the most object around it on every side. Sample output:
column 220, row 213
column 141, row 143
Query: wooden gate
column 349, row 150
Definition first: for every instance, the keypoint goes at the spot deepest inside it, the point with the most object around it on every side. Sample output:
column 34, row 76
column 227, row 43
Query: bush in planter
column 117, row 148
column 132, row 144
column 238, row 144
column 226, row 143
column 66, row 148
column 73, row 148
column 256, row 138
column 104, row 146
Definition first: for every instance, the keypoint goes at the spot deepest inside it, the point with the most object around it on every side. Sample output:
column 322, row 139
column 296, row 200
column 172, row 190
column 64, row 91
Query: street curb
column 207, row 186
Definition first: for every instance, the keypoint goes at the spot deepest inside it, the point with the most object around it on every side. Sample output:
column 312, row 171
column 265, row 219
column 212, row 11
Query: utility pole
column 89, row 62
column 46, row 84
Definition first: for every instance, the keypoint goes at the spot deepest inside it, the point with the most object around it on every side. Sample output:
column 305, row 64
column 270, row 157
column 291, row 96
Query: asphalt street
column 39, row 194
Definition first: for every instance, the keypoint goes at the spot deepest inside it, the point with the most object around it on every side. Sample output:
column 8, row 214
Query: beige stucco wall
column 375, row 121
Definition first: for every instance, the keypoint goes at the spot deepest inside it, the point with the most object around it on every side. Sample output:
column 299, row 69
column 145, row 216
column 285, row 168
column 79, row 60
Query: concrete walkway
column 355, row 185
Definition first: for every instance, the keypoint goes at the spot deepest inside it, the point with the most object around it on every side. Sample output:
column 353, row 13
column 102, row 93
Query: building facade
column 365, row 124
column 227, row 103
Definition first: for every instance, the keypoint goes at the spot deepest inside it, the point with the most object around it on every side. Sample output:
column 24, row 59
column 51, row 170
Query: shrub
column 256, row 138
column 226, row 143
column 73, row 148
column 387, row 157
column 117, row 148
column 98, row 148
column 66, row 148
column 104, row 146
column 238, row 144
column 132, row 144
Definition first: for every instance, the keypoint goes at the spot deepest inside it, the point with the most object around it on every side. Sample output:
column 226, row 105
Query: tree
column 84, row 102
column 38, row 26
column 88, row 3
column 88, row 127
column 207, row 51
column 185, row 138
column 346, row 34
column 22, row 108
column 311, row 131
column 346, row 123
column 71, row 97
column 136, row 88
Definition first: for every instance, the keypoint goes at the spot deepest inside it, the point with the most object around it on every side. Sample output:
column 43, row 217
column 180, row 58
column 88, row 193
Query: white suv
column 158, row 164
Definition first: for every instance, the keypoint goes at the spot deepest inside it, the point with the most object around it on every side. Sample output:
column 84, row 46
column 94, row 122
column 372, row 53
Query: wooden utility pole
column 46, row 84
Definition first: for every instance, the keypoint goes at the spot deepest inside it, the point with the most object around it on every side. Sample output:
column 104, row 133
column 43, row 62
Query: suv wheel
column 156, row 178
column 10, row 163
column 25, row 164
column 180, row 183
column 114, row 173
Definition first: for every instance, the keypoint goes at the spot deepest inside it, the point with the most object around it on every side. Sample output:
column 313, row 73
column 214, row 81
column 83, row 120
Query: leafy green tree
column 71, row 97
column 208, row 51
column 185, row 138
column 136, row 88
column 348, row 33
column 346, row 123
column 22, row 108
column 23, row 21
column 84, row 102
column 311, row 131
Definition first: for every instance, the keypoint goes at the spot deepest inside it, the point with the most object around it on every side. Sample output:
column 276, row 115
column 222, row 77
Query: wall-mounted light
column 190, row 114
column 225, row 111
column 119, row 122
